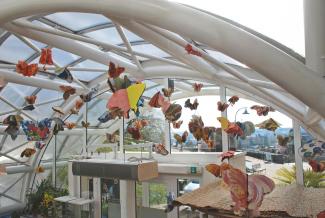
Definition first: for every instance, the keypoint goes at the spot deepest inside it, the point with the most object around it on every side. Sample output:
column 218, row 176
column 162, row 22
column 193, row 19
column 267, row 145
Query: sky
column 281, row 20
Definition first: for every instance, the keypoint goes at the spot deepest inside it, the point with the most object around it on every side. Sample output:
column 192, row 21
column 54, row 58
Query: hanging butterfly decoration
column 88, row 96
column 30, row 100
column 222, row 106
column 13, row 122
column 191, row 51
column 67, row 91
column 36, row 131
column 208, row 135
column 317, row 166
column 262, row 110
column 135, row 133
column 170, row 198
column 105, row 117
column 227, row 155
column 156, row 100
column 111, row 138
column 230, row 128
column 134, row 127
column 78, row 105
column 173, row 113
column 58, row 110
column 39, row 145
column 85, row 124
column 192, row 106
column 269, row 124
column 127, row 99
column 58, row 125
column 116, row 112
column 167, row 92
column 28, row 152
column 160, row 149
column 247, row 127
column 120, row 83
column 177, row 124
column 233, row 100
column 26, row 69
column 115, row 71
column 70, row 125
column 65, row 74
column 197, row 87
column 181, row 139
column 236, row 180
column 3, row 170
column 196, row 126
column 39, row 169
column 46, row 57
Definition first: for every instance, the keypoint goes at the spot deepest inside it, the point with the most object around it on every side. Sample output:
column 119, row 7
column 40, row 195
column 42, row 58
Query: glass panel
column 224, row 58
column 208, row 111
column 151, row 50
column 151, row 200
column 62, row 57
column 186, row 186
column 85, row 20
column 131, row 36
column 109, row 35
column 88, row 75
column 13, row 50
column 110, row 198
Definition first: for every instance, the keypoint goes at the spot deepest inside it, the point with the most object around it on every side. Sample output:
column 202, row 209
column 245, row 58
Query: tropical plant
column 40, row 201
column 311, row 178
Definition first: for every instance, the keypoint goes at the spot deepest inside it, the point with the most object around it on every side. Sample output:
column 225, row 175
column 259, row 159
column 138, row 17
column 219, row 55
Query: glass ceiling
column 102, row 29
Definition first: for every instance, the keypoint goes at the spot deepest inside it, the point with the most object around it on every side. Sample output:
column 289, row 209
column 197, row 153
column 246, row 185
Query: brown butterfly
column 116, row 112
column 160, row 149
column 177, row 124
column 167, row 92
column 262, row 110
column 67, row 91
column 283, row 141
column 155, row 100
column 140, row 123
column 181, row 139
column 111, row 138
column 40, row 169
column 84, row 124
column 70, row 125
column 58, row 110
column 28, row 152
column 114, row 71
column 135, row 132
column 78, row 104
column 233, row 99
column 197, row 87
column 222, row 106
column 191, row 106
column 30, row 99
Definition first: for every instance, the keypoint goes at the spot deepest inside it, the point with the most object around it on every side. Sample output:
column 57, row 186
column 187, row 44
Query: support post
column 167, row 126
column 298, row 159
column 127, row 196
column 223, row 98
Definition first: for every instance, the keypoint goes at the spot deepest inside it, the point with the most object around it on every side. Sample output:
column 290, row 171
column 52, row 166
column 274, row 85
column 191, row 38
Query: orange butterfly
column 70, row 125
column 113, row 71
column 46, row 56
column 26, row 69
column 197, row 87
column 181, row 139
column 68, row 90
column 222, row 106
column 140, row 123
column 40, row 169
column 167, row 92
column 28, row 152
column 78, row 104
column 190, row 50
column 233, row 99
column 177, row 125
column 30, row 99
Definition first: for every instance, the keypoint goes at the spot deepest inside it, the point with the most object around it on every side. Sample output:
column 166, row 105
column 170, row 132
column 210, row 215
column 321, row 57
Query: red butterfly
column 222, row 106
column 227, row 155
column 177, row 125
column 46, row 56
column 70, row 125
column 233, row 99
column 113, row 71
column 197, row 87
column 26, row 69
column 30, row 99
column 190, row 50
column 135, row 132
column 68, row 90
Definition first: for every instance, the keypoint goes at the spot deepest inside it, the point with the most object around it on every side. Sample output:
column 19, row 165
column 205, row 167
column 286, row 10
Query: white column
column 97, row 205
column 314, row 15
column 172, row 187
column 121, row 135
column 74, row 182
column 127, row 199
column 54, row 162
column 298, row 159
column 223, row 98
column 145, row 194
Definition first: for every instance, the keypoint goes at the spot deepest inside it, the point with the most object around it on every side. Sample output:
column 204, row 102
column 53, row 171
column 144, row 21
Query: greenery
column 104, row 150
column 311, row 178
column 157, row 194
column 40, row 201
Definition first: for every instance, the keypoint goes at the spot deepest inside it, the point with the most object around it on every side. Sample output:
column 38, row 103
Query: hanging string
column 86, row 128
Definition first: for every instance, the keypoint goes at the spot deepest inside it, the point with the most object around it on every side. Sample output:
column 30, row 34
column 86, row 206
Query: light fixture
column 245, row 112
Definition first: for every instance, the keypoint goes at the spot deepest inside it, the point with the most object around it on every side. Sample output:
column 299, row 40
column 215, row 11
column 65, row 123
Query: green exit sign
column 193, row 170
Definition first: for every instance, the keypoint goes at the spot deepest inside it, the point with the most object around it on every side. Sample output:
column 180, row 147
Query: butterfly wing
column 178, row 138
column 214, row 169
column 134, row 93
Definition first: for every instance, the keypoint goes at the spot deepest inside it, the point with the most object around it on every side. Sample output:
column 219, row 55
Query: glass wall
column 186, row 186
